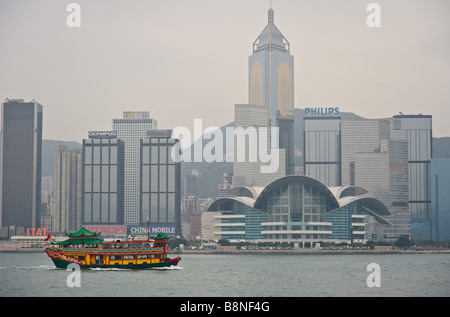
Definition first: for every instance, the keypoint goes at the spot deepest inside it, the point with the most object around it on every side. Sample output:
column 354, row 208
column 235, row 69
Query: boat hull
column 62, row 261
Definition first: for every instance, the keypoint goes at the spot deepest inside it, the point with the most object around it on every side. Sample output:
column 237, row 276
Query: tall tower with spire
column 271, row 83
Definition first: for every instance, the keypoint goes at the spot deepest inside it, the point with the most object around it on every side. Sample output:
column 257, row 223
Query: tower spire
column 270, row 14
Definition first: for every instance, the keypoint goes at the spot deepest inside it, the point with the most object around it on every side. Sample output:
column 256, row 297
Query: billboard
column 159, row 133
column 322, row 111
column 168, row 230
column 102, row 134
column 108, row 230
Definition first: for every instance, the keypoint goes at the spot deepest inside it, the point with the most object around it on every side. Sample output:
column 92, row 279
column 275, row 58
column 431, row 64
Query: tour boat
column 89, row 250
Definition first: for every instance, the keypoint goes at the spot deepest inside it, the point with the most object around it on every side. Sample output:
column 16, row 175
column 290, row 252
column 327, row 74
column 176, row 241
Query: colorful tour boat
column 89, row 250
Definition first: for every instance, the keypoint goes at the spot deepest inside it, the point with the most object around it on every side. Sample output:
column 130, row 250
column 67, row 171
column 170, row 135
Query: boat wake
column 39, row 267
column 108, row 269
column 173, row 267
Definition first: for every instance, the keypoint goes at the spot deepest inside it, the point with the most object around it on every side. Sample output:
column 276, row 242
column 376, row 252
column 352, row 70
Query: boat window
column 118, row 246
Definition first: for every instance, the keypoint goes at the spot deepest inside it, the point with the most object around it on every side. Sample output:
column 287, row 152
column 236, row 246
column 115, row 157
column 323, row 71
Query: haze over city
column 182, row 60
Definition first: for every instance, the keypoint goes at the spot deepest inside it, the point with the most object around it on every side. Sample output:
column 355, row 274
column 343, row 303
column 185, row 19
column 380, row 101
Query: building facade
column 103, row 181
column 296, row 209
column 131, row 129
column 420, row 138
column 251, row 120
column 369, row 153
column 322, row 149
column 20, row 164
column 68, row 190
column 440, row 199
column 160, row 182
column 271, row 83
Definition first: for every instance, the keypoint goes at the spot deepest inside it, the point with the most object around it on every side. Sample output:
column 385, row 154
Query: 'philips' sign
column 322, row 111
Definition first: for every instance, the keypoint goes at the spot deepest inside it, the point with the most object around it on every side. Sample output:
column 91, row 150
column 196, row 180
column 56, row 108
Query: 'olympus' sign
column 102, row 134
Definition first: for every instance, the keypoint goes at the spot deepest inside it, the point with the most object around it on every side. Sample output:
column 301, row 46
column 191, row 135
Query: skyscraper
column 368, row 153
column 271, row 83
column 68, row 195
column 20, row 164
column 420, row 137
column 103, row 180
column 247, row 163
column 160, row 194
column 440, row 200
column 322, row 149
column 131, row 129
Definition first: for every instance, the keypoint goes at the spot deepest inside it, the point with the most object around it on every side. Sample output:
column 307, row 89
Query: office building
column 68, row 190
column 249, row 143
column 357, row 136
column 131, row 129
column 191, row 184
column 271, row 83
column 384, row 174
column 103, row 180
column 322, row 149
column 160, row 182
column 440, row 199
column 369, row 153
column 20, row 164
column 419, row 135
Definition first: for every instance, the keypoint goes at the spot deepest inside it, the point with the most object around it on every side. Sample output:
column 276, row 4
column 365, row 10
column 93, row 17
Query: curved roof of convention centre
column 246, row 191
column 218, row 203
column 297, row 179
column 344, row 191
column 339, row 196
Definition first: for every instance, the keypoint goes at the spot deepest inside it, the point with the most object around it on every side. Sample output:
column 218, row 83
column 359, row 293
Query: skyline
column 192, row 59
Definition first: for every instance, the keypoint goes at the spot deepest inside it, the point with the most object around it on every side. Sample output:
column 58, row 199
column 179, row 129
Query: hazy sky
column 187, row 59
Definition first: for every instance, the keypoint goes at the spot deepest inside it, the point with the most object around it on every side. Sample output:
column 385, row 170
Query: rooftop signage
column 102, row 134
column 322, row 111
column 159, row 133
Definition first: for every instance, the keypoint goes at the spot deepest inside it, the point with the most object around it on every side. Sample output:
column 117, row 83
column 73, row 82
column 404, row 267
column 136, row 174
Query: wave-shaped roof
column 339, row 196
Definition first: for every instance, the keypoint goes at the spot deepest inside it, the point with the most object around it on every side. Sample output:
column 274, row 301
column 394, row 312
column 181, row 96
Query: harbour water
column 233, row 276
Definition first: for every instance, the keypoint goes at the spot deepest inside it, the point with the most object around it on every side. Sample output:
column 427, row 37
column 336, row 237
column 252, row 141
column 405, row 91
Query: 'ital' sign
column 36, row 232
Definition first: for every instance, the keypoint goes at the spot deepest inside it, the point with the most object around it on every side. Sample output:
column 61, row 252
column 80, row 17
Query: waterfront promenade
column 314, row 252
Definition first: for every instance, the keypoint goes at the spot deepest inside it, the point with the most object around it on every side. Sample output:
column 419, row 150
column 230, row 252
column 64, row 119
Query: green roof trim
column 82, row 232
column 78, row 241
column 160, row 236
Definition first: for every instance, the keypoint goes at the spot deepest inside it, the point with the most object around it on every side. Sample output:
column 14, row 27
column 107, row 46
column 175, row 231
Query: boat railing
column 108, row 250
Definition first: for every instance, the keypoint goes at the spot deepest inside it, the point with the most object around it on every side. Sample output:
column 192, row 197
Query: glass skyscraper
column 103, row 181
column 160, row 181
column 440, row 199
column 322, row 149
column 271, row 83
column 20, row 164
column 419, row 135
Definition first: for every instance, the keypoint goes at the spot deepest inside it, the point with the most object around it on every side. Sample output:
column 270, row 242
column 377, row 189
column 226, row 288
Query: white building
column 247, row 171
column 131, row 129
